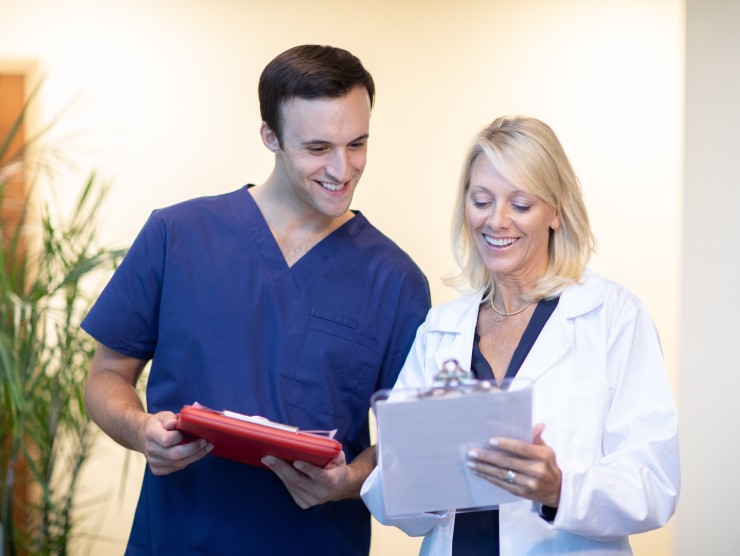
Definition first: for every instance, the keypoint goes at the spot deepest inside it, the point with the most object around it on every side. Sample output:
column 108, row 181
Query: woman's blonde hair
column 528, row 154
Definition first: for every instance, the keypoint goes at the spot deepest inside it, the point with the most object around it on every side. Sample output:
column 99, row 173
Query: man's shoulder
column 376, row 245
column 199, row 205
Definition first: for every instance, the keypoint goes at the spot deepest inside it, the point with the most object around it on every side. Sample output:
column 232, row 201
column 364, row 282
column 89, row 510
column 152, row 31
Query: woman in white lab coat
column 603, row 461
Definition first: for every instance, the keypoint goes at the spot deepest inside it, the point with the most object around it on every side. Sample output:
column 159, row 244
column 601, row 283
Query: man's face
column 323, row 151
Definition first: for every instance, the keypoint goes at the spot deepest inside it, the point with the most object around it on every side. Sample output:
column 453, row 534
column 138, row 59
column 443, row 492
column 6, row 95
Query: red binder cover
column 247, row 441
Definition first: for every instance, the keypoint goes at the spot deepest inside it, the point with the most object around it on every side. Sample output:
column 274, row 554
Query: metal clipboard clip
column 451, row 380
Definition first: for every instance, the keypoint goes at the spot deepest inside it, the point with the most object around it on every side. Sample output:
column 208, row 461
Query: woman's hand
column 527, row 470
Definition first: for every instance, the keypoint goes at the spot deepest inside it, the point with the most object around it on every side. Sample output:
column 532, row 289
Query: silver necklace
column 505, row 314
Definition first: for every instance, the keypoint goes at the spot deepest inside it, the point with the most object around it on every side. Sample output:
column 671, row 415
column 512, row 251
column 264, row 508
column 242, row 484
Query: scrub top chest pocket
column 338, row 366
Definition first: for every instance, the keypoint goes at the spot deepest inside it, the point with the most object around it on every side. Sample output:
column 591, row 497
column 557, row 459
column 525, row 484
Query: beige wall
column 709, row 367
column 168, row 107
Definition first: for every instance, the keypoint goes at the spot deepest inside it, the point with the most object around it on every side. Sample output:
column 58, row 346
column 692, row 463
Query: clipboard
column 424, row 435
column 247, row 439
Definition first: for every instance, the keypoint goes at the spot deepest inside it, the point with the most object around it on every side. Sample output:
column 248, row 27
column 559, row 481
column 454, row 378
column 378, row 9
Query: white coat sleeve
column 634, row 483
column 412, row 375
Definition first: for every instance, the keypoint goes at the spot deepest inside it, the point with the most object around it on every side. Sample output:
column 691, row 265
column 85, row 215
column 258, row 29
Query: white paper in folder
column 423, row 438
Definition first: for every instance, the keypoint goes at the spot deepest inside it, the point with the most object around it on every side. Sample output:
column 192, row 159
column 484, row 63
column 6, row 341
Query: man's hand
column 310, row 485
column 113, row 403
column 161, row 445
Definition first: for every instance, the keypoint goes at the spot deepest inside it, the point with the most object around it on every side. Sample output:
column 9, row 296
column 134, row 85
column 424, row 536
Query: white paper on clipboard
column 423, row 440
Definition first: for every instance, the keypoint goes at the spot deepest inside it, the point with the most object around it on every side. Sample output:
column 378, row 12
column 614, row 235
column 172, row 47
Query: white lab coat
column 601, row 389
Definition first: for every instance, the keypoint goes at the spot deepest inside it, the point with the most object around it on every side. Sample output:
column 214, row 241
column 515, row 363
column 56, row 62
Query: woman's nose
column 499, row 217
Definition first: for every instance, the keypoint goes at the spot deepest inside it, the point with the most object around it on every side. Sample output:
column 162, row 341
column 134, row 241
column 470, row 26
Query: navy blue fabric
column 206, row 294
column 477, row 533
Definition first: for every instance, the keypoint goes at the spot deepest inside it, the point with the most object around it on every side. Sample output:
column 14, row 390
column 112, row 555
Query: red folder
column 248, row 439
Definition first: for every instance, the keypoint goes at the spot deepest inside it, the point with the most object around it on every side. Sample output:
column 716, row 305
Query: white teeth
column 498, row 242
column 332, row 186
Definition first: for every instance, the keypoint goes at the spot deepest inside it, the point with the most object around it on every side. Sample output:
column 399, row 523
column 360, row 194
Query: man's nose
column 339, row 168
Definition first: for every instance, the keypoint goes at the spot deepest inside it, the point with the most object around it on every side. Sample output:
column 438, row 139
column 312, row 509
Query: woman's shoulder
column 595, row 290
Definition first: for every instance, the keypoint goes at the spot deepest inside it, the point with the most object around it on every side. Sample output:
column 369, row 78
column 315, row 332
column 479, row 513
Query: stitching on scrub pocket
column 339, row 326
column 333, row 317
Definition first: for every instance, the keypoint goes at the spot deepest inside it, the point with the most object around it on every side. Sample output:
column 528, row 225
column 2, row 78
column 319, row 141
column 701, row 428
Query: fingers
column 520, row 448
column 537, row 431
column 296, row 480
column 168, row 420
column 159, row 432
column 310, row 485
column 163, row 446
column 524, row 469
column 516, row 482
column 163, row 461
column 496, row 458
column 512, row 475
column 495, row 466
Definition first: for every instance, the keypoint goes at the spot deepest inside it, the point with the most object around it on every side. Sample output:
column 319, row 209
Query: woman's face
column 510, row 228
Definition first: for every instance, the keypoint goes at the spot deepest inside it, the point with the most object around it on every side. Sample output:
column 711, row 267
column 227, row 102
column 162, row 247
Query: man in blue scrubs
column 272, row 300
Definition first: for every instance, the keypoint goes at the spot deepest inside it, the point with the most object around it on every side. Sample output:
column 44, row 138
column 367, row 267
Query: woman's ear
column 555, row 222
column 269, row 137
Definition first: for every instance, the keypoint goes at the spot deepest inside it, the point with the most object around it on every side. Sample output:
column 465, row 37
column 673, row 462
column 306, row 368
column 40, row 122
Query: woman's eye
column 479, row 204
column 521, row 208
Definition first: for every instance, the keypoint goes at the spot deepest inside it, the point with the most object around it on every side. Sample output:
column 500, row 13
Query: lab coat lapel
column 554, row 342
column 457, row 323
column 460, row 349
column 457, row 327
column 556, row 338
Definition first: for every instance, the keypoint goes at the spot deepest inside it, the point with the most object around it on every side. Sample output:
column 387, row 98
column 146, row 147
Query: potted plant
column 45, row 433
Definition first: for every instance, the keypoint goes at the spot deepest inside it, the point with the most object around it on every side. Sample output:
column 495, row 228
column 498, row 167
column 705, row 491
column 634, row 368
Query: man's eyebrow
column 362, row 137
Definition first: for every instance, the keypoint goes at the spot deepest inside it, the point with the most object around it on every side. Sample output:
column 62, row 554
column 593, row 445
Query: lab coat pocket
column 575, row 414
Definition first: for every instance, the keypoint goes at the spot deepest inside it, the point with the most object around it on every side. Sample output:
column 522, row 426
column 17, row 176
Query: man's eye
column 357, row 146
column 317, row 150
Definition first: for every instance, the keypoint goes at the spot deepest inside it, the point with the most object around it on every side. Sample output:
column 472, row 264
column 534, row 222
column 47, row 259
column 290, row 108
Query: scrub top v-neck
column 310, row 262
column 477, row 533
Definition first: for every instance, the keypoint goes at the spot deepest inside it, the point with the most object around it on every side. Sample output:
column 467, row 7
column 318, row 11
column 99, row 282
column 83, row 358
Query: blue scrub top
column 205, row 292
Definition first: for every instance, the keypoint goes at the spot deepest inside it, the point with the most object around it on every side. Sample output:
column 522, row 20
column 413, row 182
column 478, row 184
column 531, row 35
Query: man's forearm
column 358, row 471
column 116, row 408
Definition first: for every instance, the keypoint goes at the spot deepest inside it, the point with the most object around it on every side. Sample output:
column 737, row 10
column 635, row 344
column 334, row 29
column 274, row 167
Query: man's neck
column 296, row 230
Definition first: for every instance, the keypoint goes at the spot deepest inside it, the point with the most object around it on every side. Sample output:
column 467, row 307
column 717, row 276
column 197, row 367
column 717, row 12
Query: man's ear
column 269, row 138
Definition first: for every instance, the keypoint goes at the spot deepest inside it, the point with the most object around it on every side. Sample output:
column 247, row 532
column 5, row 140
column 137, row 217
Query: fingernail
column 493, row 441
column 268, row 460
column 473, row 453
column 470, row 464
column 299, row 465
